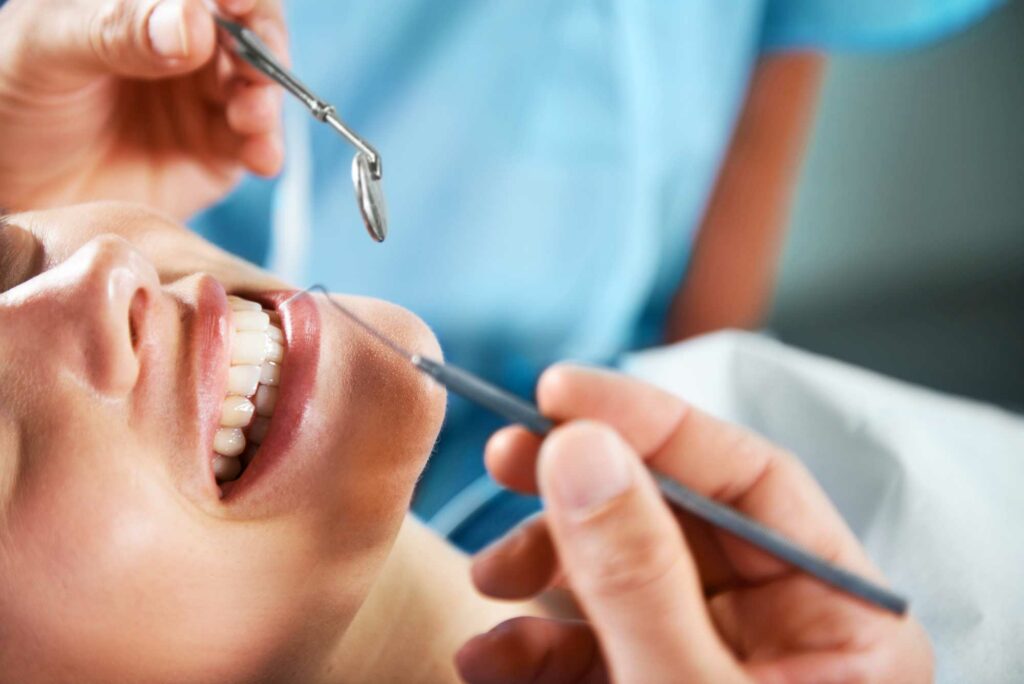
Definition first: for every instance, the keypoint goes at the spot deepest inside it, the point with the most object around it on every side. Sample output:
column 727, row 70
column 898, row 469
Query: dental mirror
column 366, row 165
column 370, row 197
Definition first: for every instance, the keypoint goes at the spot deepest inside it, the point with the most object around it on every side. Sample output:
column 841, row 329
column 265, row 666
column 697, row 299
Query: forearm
column 732, row 270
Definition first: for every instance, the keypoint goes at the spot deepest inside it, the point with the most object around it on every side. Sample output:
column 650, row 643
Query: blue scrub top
column 547, row 165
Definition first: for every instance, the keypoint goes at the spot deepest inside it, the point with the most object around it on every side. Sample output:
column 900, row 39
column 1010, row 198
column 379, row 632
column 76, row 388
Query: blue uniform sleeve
column 864, row 25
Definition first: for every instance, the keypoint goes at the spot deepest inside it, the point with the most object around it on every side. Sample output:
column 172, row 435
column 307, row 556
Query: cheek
column 136, row 586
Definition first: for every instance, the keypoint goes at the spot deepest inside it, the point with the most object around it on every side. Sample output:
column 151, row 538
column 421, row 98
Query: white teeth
column 250, row 320
column 257, row 351
column 242, row 380
column 275, row 351
column 239, row 304
column 266, row 400
column 229, row 442
column 270, row 374
column 257, row 433
column 249, row 348
column 226, row 468
column 236, row 412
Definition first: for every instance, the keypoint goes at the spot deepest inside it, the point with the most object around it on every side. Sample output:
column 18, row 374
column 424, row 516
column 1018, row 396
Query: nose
column 104, row 291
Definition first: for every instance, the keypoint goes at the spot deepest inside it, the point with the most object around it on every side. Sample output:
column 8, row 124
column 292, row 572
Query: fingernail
column 591, row 468
column 167, row 31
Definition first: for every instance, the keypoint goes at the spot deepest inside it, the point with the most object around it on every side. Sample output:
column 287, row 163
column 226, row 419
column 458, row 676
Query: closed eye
column 21, row 255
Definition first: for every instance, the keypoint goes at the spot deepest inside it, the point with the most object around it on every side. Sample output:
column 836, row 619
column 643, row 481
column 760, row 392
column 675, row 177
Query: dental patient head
column 131, row 551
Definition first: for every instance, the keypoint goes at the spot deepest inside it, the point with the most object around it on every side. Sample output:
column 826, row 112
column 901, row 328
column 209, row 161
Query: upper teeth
column 257, row 350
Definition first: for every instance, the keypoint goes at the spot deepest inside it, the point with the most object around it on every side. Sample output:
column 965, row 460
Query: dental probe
column 520, row 411
column 367, row 167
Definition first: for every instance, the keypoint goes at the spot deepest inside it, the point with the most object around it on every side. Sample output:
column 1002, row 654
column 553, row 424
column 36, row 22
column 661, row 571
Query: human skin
column 731, row 273
column 177, row 133
column 119, row 561
column 669, row 598
column 91, row 109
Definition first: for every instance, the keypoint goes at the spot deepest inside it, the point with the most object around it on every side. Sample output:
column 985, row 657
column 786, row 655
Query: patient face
column 121, row 559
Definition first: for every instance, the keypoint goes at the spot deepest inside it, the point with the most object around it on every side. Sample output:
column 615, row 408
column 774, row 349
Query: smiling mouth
column 257, row 353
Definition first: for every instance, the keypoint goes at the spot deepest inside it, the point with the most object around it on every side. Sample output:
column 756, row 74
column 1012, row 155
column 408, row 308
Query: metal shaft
column 253, row 50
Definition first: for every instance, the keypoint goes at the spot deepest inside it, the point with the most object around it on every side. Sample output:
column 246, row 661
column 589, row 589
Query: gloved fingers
column 531, row 650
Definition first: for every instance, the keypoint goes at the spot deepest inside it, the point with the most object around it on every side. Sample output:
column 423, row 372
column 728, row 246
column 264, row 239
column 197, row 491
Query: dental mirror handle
column 247, row 45
column 485, row 394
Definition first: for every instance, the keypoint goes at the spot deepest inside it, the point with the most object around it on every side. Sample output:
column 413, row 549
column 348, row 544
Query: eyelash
column 25, row 262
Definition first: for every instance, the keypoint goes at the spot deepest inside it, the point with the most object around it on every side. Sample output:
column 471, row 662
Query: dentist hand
column 132, row 99
column 667, row 598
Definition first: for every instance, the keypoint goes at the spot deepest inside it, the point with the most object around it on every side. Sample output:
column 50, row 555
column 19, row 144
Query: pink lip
column 300, row 320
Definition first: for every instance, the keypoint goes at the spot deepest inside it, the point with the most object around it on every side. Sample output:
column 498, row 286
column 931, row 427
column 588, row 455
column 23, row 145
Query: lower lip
column 300, row 320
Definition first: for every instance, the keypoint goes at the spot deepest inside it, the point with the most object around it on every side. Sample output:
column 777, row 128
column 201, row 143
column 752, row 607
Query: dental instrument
column 367, row 169
column 522, row 412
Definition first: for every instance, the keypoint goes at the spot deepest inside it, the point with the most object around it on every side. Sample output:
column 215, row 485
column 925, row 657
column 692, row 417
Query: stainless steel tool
column 367, row 169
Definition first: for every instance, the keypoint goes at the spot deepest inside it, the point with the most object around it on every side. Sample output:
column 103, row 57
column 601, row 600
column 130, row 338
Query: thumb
column 144, row 39
column 626, row 560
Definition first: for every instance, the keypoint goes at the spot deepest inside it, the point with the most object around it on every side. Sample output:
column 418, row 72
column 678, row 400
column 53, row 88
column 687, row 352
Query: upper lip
column 210, row 336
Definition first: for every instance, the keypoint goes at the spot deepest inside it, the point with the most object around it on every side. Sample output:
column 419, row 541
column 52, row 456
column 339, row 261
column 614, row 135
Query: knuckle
column 750, row 446
column 107, row 29
column 554, row 385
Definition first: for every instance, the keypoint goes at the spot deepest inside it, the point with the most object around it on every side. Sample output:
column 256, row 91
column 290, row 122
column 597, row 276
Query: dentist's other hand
column 134, row 100
column 666, row 598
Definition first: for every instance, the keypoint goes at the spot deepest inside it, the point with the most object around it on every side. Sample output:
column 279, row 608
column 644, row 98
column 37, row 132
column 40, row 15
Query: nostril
column 136, row 316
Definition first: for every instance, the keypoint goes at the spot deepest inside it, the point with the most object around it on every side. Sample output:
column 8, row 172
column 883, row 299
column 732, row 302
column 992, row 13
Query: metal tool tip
column 351, row 315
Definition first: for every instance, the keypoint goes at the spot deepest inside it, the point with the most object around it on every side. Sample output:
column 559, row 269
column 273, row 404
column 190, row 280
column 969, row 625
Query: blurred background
column 906, row 249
